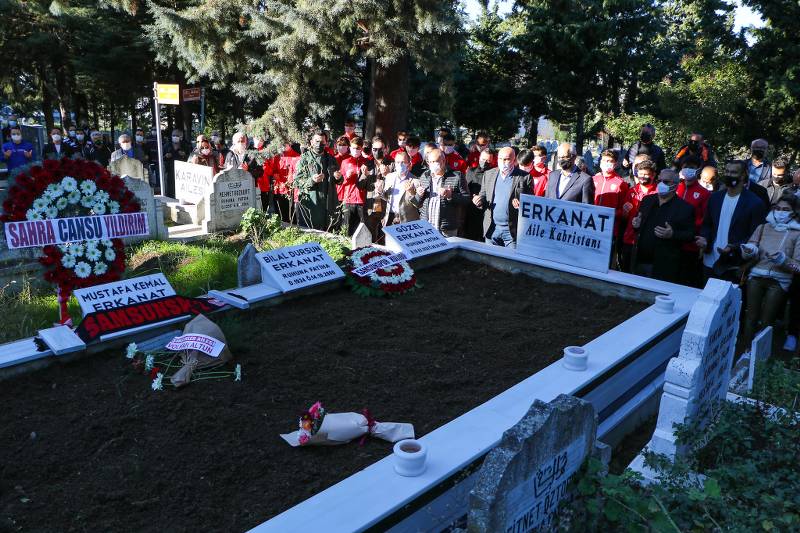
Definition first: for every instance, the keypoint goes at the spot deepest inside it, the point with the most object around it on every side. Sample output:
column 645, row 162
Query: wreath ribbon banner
column 40, row 233
column 383, row 262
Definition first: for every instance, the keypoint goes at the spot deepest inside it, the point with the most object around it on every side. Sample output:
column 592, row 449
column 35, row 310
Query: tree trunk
column 388, row 103
column 532, row 128
column 95, row 115
column 47, row 100
column 365, row 91
column 113, row 140
column 62, row 90
column 133, row 118
column 579, row 127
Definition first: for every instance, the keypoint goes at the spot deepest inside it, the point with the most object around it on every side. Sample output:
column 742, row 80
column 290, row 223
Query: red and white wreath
column 71, row 188
column 395, row 279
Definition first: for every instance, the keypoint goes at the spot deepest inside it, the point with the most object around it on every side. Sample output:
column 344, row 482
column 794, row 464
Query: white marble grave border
column 625, row 370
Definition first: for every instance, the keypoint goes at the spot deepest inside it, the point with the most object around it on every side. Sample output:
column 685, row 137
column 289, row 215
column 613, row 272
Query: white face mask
column 689, row 174
column 56, row 138
column 355, row 152
column 16, row 137
column 707, row 186
column 663, row 189
column 342, row 149
column 781, row 217
column 125, row 146
column 139, row 138
column 349, row 129
column 606, row 167
column 401, row 144
column 506, row 167
column 412, row 151
column 80, row 136
column 402, row 168
column 538, row 161
column 176, row 139
column 214, row 139
column 435, row 167
column 449, row 149
column 205, row 151
column 72, row 133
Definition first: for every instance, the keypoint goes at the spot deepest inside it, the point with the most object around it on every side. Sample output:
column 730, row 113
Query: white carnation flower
column 93, row 254
column 40, row 205
column 88, row 187
column 69, row 183
column 74, row 197
column 100, row 268
column 99, row 208
column 237, row 374
column 54, row 190
column 76, row 250
column 68, row 261
column 64, row 248
column 131, row 350
column 87, row 201
column 157, row 382
column 51, row 212
column 62, row 203
column 107, row 243
column 83, row 270
column 101, row 196
column 110, row 254
column 113, row 207
column 149, row 361
column 32, row 214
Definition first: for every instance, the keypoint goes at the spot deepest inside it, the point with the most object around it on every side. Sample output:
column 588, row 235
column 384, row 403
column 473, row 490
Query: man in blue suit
column 732, row 216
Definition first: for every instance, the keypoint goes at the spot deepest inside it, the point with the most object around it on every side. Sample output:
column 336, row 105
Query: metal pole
column 158, row 142
column 202, row 109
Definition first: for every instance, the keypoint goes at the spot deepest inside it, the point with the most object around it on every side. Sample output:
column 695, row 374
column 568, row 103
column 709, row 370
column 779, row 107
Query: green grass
column 28, row 310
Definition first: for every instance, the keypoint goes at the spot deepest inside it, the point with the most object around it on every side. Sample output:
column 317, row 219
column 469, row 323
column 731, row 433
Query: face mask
column 694, row 146
column 72, row 133
column 176, row 139
column 56, row 138
column 342, row 150
column 205, row 151
column 781, row 217
column 377, row 153
column 403, row 168
column 449, row 149
column 12, row 123
column 689, row 174
column 79, row 136
column 16, row 137
column 538, row 161
column 506, row 167
column 645, row 137
column 355, row 152
column 483, row 147
column 606, row 167
column 258, row 144
column 349, row 129
column 484, row 163
column 435, row 167
column 663, row 189
column 97, row 140
column 214, row 139
column 317, row 147
column 707, row 186
column 402, row 143
column 565, row 164
column 730, row 181
column 778, row 180
column 413, row 151
column 125, row 146
column 139, row 138
column 759, row 154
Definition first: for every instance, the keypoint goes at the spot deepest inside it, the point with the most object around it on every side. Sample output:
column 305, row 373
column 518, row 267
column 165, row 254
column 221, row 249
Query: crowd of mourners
column 681, row 219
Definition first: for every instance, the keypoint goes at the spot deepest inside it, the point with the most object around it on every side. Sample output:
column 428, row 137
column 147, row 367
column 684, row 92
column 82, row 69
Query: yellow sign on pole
column 168, row 94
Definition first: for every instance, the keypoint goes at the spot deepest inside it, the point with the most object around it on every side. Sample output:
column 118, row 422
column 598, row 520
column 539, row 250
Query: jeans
column 502, row 237
column 765, row 302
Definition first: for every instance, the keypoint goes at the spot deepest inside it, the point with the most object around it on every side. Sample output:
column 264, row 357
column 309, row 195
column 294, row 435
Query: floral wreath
column 390, row 281
column 71, row 188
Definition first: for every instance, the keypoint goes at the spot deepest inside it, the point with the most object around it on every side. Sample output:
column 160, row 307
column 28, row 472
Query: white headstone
column 192, row 182
column 760, row 350
column 361, row 237
column 698, row 378
column 415, row 239
column 149, row 204
column 523, row 480
column 233, row 192
column 128, row 166
column 565, row 232
column 248, row 267
column 123, row 292
column 296, row 267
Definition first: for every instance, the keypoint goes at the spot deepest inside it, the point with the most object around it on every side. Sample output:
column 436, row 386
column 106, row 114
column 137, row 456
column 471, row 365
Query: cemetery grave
column 211, row 457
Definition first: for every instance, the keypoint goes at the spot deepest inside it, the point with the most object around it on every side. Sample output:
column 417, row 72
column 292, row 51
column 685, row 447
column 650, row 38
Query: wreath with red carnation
column 393, row 280
column 71, row 188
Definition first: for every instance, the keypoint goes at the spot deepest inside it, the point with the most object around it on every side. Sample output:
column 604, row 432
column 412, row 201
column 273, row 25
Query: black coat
column 667, row 254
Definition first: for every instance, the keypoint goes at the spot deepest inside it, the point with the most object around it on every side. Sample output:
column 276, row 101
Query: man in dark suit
column 568, row 182
column 499, row 199
column 731, row 218
column 56, row 148
column 442, row 195
column 663, row 224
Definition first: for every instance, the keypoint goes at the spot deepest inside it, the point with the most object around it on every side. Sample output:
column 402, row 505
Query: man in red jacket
column 402, row 139
column 355, row 175
column 610, row 190
column 349, row 129
column 482, row 142
column 283, row 168
column 412, row 148
column 644, row 170
column 454, row 160
column 539, row 172
column 691, row 191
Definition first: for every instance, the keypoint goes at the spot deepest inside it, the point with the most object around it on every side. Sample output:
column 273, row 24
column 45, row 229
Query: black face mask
column 377, row 153
column 694, row 146
column 483, row 165
column 731, row 182
column 317, row 147
column 778, row 180
column 759, row 154
column 565, row 164
column 645, row 137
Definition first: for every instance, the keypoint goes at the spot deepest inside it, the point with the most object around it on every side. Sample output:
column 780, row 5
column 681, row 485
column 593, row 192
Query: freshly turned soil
column 88, row 446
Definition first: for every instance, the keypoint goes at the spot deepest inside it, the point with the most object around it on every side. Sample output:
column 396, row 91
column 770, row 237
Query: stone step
column 186, row 233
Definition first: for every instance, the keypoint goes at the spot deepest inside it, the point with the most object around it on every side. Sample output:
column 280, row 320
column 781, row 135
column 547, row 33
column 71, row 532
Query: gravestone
column 192, row 182
column 415, row 239
column 233, row 192
column 698, row 378
column 760, row 351
column 361, row 237
column 149, row 204
column 248, row 267
column 525, row 478
column 128, row 166
column 297, row 267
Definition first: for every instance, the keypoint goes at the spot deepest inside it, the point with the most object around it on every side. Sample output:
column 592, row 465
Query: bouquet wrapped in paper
column 319, row 428
column 202, row 345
